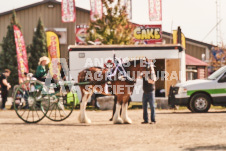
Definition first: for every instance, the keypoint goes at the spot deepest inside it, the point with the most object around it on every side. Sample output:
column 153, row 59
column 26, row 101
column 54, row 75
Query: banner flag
column 53, row 53
column 22, row 61
column 68, row 11
column 128, row 5
column 129, row 8
column 183, row 40
column 155, row 10
column 96, row 10
column 174, row 36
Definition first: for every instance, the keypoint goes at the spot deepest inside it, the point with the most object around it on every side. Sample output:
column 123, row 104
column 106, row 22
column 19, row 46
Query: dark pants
column 149, row 98
column 4, row 98
column 41, row 79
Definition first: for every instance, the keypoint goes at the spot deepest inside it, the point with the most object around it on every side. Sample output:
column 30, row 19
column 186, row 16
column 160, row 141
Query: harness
column 119, row 67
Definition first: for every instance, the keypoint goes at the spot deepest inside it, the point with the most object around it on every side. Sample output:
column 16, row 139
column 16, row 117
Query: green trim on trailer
column 210, row 91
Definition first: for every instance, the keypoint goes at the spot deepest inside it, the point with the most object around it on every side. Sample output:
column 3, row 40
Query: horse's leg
column 117, row 119
column 114, row 107
column 83, row 117
column 125, row 117
column 87, row 119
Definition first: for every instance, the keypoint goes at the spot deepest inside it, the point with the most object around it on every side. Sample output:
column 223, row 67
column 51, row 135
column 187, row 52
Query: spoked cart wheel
column 61, row 103
column 31, row 101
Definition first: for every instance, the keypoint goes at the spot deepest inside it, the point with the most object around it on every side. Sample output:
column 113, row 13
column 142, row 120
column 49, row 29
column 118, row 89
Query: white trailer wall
column 82, row 58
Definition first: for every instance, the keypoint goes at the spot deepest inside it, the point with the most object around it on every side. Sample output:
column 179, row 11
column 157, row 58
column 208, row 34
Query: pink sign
column 147, row 34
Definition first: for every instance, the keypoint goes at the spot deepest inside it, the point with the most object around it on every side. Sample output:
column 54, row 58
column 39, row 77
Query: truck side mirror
column 223, row 78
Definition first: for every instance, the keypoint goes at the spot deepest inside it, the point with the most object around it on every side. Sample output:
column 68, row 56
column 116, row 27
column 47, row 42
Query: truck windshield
column 217, row 73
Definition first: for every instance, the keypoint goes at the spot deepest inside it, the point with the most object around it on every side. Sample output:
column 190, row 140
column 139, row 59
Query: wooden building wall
column 193, row 49
column 51, row 17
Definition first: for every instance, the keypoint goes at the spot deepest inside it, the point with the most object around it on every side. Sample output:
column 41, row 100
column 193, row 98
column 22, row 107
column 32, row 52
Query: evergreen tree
column 113, row 28
column 38, row 48
column 8, row 56
column 1, row 59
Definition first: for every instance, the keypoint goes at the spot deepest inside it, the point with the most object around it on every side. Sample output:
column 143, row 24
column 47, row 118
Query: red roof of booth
column 192, row 61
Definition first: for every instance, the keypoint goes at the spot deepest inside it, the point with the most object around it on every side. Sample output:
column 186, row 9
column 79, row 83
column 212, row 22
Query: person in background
column 5, row 86
column 41, row 70
column 25, row 77
column 62, row 71
column 0, row 91
column 18, row 98
column 149, row 95
column 55, row 78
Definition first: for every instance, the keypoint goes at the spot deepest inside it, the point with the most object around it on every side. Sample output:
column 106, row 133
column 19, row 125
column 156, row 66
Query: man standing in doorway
column 5, row 86
column 149, row 95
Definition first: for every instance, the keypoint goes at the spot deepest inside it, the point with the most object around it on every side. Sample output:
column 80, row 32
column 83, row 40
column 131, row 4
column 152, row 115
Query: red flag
column 68, row 11
column 155, row 10
column 96, row 10
column 21, row 54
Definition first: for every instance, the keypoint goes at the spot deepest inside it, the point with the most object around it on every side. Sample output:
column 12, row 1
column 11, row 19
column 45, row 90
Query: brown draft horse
column 97, row 78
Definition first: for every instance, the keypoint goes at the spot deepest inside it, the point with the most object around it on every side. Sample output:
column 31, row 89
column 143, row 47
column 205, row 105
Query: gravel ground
column 174, row 130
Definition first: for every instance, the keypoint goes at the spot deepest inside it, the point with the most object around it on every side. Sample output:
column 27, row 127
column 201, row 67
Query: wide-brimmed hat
column 42, row 59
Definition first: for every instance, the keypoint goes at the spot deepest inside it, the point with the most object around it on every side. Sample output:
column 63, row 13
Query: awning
column 192, row 61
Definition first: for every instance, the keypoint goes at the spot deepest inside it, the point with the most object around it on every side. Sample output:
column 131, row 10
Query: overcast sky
column 196, row 17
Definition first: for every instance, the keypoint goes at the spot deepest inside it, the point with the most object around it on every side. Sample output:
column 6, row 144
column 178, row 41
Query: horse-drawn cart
column 34, row 100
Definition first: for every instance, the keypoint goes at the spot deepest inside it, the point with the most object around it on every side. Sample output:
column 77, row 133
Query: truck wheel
column 189, row 107
column 200, row 103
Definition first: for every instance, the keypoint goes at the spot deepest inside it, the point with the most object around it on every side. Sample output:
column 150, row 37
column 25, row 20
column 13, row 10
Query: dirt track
column 174, row 131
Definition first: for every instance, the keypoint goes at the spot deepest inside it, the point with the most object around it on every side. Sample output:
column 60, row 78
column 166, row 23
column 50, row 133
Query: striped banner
column 53, row 53
column 128, row 4
column 96, row 10
column 175, row 39
column 22, row 61
column 155, row 10
column 68, row 11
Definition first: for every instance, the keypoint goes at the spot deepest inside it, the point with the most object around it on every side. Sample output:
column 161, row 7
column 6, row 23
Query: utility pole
column 218, row 27
column 179, row 35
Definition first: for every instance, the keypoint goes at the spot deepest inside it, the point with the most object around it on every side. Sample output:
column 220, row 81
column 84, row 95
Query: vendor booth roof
column 192, row 61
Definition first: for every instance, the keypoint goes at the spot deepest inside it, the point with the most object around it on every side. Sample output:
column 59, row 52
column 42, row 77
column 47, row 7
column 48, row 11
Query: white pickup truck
column 198, row 95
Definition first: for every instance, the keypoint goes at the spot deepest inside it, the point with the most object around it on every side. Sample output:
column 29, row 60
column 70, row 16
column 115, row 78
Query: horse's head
column 139, row 66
